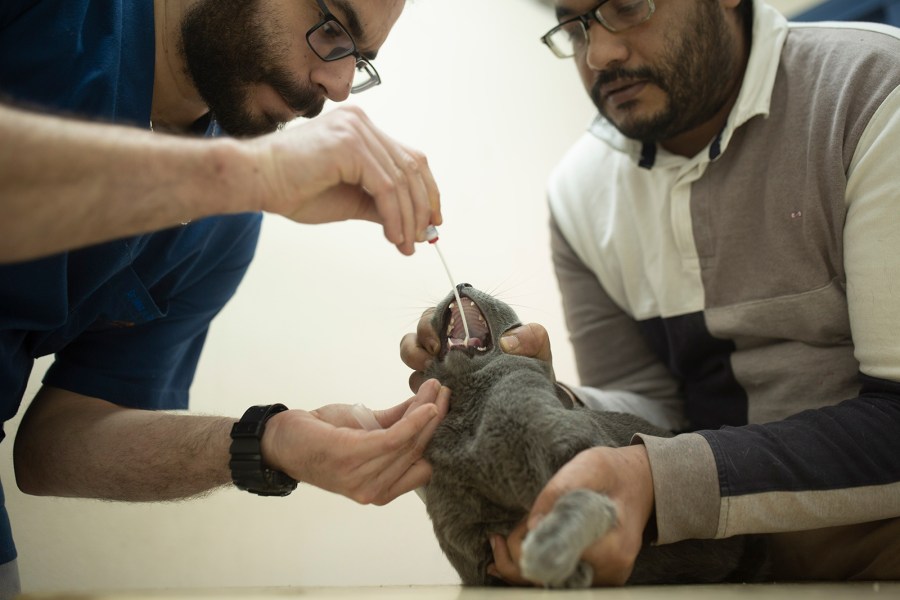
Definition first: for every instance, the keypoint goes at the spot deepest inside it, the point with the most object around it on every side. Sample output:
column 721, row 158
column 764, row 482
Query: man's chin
column 247, row 127
column 313, row 110
column 652, row 128
column 245, row 124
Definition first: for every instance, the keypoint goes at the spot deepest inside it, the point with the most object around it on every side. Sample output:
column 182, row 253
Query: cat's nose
column 461, row 286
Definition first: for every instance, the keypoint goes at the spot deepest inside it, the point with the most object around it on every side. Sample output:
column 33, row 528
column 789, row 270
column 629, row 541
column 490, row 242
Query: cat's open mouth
column 479, row 340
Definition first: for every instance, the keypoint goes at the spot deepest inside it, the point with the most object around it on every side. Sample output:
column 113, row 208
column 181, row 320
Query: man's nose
column 335, row 77
column 604, row 48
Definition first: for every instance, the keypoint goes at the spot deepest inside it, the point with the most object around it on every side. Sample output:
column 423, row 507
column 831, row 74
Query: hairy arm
column 75, row 446
column 69, row 184
column 66, row 184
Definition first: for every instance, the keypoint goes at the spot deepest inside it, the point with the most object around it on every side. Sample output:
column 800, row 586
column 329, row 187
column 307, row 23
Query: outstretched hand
column 624, row 475
column 340, row 166
column 327, row 448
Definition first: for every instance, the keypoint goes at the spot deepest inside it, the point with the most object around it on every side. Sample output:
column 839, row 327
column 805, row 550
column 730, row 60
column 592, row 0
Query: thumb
column 543, row 504
column 529, row 340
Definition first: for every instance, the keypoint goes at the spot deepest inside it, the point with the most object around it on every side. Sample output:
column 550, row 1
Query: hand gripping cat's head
column 487, row 319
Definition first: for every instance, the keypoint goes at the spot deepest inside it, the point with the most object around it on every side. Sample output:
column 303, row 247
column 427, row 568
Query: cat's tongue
column 479, row 333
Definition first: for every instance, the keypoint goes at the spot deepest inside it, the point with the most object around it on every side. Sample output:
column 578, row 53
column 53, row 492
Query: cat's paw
column 551, row 551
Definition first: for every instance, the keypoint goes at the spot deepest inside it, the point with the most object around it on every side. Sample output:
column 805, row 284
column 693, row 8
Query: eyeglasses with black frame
column 330, row 41
column 571, row 36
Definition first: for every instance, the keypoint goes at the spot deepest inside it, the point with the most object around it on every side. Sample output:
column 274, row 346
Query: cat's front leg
column 551, row 552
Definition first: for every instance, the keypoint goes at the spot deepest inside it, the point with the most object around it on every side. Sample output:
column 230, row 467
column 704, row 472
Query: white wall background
column 320, row 314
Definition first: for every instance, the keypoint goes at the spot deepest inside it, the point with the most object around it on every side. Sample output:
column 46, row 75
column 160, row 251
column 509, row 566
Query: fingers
column 414, row 352
column 586, row 470
column 417, row 350
column 401, row 184
column 506, row 557
column 543, row 504
column 419, row 423
column 416, row 379
column 434, row 198
column 399, row 468
column 528, row 340
column 338, row 415
column 624, row 476
column 412, row 440
column 414, row 477
column 340, row 166
column 611, row 558
column 426, row 337
column 427, row 393
column 328, row 449
column 373, row 467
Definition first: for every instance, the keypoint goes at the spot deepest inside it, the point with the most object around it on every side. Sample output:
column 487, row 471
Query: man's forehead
column 348, row 13
column 568, row 8
column 368, row 21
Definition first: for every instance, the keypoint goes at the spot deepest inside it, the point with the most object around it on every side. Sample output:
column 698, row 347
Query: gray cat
column 506, row 433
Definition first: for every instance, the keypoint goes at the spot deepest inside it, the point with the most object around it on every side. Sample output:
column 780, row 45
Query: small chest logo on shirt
column 139, row 306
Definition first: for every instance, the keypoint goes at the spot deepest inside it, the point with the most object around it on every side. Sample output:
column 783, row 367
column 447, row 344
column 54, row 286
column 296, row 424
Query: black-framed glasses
column 571, row 36
column 330, row 41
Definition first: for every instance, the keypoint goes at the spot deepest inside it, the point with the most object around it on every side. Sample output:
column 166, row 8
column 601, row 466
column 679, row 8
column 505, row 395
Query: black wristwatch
column 247, row 469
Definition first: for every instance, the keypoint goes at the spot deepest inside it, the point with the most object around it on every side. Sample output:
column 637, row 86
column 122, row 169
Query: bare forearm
column 75, row 446
column 68, row 184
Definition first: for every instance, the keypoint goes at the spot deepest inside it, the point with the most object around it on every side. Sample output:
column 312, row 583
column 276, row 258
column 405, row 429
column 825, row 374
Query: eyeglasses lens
column 364, row 77
column 331, row 41
column 569, row 39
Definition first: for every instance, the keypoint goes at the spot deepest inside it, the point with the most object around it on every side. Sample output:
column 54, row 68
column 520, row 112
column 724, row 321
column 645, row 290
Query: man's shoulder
column 91, row 58
column 845, row 29
column 851, row 68
column 842, row 45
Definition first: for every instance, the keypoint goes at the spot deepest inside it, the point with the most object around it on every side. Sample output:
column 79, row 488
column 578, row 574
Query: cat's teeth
column 482, row 349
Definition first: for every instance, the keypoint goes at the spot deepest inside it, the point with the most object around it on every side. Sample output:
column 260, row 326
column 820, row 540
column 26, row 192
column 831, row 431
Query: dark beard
column 697, row 76
column 226, row 51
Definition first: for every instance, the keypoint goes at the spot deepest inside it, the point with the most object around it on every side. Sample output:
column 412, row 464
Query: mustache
column 302, row 99
column 303, row 102
column 612, row 75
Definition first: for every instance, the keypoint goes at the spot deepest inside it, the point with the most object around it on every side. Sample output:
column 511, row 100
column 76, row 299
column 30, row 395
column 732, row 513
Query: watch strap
column 248, row 472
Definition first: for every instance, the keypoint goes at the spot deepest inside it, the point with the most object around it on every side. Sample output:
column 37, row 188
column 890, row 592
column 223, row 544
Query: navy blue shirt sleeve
column 851, row 445
column 142, row 351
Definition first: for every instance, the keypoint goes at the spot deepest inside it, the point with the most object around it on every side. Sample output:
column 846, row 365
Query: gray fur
column 505, row 435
